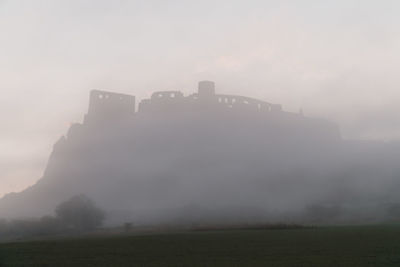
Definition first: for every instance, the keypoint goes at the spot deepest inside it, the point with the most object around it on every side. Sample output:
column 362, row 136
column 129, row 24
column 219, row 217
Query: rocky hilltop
column 205, row 157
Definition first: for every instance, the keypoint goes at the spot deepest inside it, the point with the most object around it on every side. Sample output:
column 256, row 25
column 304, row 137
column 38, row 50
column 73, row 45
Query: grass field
column 326, row 246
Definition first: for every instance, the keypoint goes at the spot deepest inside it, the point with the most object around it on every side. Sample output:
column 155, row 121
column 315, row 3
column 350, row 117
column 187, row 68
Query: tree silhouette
column 80, row 213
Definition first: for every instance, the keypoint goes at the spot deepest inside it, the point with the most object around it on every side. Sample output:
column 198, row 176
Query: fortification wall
column 108, row 106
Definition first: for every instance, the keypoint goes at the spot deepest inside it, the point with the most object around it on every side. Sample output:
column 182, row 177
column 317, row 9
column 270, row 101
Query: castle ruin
column 110, row 106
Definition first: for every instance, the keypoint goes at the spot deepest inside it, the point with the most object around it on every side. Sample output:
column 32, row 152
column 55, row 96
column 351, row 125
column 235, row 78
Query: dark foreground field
column 332, row 246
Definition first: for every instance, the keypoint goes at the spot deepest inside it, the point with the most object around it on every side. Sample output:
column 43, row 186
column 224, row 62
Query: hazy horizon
column 332, row 59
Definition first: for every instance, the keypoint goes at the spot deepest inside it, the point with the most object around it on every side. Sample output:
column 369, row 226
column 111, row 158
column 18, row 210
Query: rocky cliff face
column 204, row 157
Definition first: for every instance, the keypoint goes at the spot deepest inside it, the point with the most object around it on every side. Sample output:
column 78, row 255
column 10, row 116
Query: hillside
column 209, row 157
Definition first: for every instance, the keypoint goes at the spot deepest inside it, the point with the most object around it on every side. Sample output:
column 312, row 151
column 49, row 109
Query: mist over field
column 329, row 156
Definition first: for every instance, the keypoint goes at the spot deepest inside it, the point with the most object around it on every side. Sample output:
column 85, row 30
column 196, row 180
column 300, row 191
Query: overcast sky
column 334, row 59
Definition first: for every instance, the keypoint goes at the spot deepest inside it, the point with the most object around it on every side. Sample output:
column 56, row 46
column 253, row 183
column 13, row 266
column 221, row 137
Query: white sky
column 335, row 59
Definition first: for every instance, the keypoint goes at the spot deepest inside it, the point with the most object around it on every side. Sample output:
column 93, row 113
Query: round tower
column 206, row 89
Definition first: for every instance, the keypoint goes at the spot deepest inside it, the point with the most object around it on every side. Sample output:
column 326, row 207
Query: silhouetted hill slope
column 209, row 157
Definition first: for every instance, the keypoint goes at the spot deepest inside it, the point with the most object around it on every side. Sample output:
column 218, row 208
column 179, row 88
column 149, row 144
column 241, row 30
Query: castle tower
column 107, row 106
column 206, row 89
